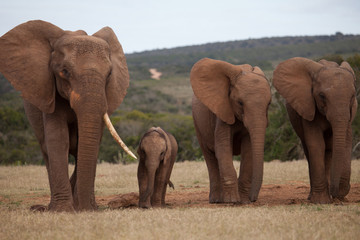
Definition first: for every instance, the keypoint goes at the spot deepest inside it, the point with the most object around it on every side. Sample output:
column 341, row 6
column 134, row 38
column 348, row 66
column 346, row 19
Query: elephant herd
column 71, row 82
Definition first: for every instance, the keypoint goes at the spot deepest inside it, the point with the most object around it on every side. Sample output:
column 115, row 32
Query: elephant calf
column 157, row 151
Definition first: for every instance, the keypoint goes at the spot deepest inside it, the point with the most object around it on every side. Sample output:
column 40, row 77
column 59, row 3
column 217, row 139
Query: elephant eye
column 241, row 103
column 64, row 73
column 322, row 96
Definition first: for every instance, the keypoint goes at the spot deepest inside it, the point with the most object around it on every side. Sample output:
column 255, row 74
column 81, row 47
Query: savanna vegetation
column 167, row 102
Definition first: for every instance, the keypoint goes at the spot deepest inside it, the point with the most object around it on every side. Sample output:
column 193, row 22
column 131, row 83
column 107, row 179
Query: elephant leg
column 143, row 183
column 297, row 123
column 244, row 181
column 35, row 117
column 160, row 185
column 328, row 155
column 57, row 142
column 316, row 147
column 167, row 181
column 224, row 154
column 214, row 176
column 73, row 151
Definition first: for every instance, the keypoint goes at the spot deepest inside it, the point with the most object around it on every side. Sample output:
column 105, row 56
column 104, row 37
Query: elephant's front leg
column 316, row 147
column 144, row 200
column 224, row 154
column 57, row 143
column 160, row 185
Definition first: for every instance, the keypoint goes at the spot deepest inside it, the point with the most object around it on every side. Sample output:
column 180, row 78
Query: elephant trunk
column 341, row 160
column 90, row 131
column 145, row 200
column 257, row 138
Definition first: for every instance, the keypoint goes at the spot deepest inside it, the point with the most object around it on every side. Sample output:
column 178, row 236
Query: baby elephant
column 157, row 151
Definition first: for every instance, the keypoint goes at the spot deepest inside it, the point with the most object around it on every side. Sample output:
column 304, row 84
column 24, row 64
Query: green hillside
column 167, row 102
column 264, row 52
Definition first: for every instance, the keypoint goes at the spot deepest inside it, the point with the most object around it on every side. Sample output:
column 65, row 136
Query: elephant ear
column 168, row 143
column 25, row 53
column 347, row 66
column 258, row 70
column 141, row 152
column 210, row 80
column 327, row 63
column 354, row 106
column 293, row 80
column 118, row 81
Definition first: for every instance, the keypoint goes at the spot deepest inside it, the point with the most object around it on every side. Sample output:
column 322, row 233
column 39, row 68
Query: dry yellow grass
column 240, row 222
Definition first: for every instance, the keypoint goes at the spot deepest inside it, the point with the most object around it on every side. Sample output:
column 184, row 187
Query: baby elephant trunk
column 145, row 198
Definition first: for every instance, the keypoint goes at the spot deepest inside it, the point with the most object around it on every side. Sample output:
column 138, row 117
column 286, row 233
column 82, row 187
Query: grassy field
column 23, row 186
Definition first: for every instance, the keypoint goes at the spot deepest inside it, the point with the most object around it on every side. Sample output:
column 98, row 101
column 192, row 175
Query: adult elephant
column 321, row 104
column 229, row 108
column 70, row 83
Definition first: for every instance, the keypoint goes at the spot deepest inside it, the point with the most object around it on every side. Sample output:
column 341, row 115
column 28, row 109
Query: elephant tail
column 171, row 185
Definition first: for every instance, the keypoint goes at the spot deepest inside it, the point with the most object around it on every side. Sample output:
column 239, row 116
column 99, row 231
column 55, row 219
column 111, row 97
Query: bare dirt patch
column 292, row 193
column 270, row 195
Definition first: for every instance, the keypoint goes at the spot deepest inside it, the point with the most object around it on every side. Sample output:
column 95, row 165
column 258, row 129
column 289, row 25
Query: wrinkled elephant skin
column 157, row 151
column 70, row 83
column 229, row 106
column 321, row 104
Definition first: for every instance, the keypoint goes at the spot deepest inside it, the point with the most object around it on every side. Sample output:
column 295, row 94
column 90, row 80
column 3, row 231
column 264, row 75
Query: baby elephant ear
column 293, row 80
column 168, row 144
column 210, row 81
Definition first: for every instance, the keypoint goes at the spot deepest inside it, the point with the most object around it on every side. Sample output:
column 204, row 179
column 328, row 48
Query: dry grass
column 241, row 222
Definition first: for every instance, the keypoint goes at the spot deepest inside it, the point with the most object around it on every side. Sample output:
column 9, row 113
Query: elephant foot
column 38, row 208
column 61, row 207
column 156, row 204
column 244, row 199
column 320, row 198
column 145, row 204
column 231, row 196
column 215, row 197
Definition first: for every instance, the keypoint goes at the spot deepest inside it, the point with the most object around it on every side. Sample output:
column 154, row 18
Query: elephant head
column 49, row 65
column 328, row 89
column 155, row 151
column 236, row 93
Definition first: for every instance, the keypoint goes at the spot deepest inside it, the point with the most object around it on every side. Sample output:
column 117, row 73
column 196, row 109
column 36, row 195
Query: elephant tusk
column 116, row 135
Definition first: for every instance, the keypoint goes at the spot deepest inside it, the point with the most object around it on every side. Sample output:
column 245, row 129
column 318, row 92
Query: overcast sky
column 146, row 25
